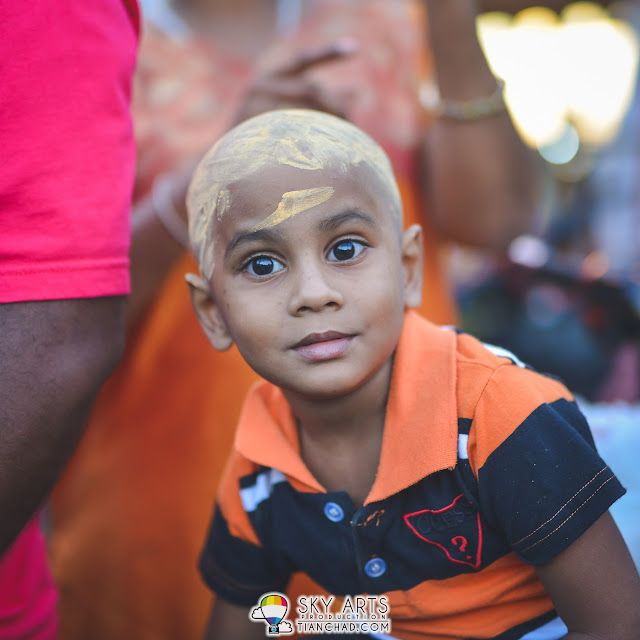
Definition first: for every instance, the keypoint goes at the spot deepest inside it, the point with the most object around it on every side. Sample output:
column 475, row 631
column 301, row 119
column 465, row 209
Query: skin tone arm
column 486, row 155
column 595, row 586
column 153, row 249
column 55, row 355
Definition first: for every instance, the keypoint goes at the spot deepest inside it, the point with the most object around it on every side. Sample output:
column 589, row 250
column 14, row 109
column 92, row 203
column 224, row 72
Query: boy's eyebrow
column 244, row 237
column 332, row 223
column 274, row 235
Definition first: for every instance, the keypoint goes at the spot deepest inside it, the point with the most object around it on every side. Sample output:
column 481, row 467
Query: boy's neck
column 341, row 439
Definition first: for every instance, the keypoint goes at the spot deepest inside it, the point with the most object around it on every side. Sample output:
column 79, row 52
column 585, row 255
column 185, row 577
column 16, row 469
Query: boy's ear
column 208, row 313
column 413, row 264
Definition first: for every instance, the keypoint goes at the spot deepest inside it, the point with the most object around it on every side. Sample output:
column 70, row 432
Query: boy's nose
column 313, row 291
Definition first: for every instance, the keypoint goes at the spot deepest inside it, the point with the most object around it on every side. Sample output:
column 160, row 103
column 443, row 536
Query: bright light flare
column 577, row 69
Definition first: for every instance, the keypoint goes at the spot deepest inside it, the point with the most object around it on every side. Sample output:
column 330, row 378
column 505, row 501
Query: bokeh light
column 569, row 78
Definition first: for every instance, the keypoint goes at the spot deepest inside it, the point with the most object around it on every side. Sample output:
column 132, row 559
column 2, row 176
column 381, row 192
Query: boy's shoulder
column 472, row 351
column 490, row 372
column 499, row 396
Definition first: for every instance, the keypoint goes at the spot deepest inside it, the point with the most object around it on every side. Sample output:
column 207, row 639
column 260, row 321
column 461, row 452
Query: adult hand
column 291, row 85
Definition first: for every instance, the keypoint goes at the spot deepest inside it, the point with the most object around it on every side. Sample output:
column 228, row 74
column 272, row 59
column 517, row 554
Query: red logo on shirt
column 454, row 529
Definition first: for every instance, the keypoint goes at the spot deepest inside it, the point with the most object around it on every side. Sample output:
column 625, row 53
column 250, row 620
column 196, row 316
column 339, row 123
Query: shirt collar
column 420, row 433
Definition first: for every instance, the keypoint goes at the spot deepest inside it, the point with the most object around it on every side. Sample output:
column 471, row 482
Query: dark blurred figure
column 578, row 329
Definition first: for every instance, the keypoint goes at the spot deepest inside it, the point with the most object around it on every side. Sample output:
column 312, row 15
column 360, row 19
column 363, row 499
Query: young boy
column 383, row 454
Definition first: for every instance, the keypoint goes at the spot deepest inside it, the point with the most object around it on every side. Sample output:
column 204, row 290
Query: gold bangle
column 461, row 110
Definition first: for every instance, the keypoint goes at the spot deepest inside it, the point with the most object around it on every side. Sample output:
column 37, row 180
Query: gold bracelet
column 165, row 210
column 461, row 110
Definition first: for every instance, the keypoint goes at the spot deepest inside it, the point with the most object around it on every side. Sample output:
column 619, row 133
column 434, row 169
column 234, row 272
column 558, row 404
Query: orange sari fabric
column 131, row 511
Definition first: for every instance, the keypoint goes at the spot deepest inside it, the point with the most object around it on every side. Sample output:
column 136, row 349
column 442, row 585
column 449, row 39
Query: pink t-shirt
column 66, row 175
column 27, row 594
column 66, row 147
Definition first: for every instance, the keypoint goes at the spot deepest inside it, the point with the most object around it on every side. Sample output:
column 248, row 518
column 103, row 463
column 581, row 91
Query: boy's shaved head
column 299, row 138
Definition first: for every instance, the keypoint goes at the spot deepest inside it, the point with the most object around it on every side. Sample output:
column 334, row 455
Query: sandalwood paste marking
column 294, row 202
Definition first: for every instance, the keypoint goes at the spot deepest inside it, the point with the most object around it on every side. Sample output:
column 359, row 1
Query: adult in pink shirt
column 66, row 173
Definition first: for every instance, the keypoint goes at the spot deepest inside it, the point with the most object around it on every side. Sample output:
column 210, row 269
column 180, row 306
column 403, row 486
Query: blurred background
column 566, row 298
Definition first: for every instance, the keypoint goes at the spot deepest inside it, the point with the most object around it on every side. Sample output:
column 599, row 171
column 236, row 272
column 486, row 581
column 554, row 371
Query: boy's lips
column 323, row 346
column 325, row 336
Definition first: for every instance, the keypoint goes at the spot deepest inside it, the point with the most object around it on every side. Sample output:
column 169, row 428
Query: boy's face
column 313, row 296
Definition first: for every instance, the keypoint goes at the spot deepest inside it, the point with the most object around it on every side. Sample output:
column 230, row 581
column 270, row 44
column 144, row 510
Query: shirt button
column 375, row 567
column 333, row 511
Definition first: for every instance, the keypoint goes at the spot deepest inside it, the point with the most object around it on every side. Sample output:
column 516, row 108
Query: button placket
column 365, row 531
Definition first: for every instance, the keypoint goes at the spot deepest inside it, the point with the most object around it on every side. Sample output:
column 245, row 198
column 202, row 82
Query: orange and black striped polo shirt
column 487, row 469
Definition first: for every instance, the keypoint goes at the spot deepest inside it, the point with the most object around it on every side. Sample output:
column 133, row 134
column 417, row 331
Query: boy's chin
column 329, row 389
column 334, row 387
column 317, row 394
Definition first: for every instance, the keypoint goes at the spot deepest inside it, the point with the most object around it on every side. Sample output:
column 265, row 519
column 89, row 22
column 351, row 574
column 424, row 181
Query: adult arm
column 55, row 355
column 480, row 180
column 154, row 247
column 65, row 194
column 594, row 585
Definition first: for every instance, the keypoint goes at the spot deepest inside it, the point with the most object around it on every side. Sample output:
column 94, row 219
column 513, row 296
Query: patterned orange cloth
column 131, row 511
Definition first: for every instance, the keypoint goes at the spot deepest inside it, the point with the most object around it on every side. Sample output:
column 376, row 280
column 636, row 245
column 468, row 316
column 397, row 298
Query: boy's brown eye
column 264, row 266
column 345, row 250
